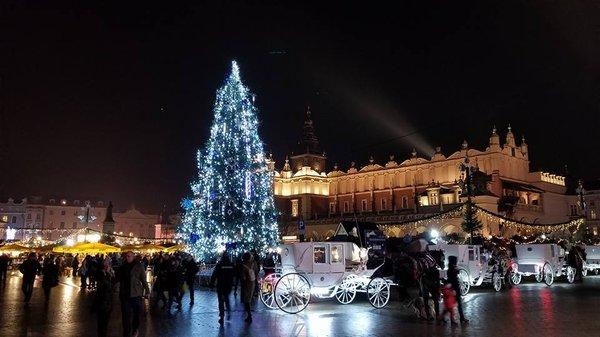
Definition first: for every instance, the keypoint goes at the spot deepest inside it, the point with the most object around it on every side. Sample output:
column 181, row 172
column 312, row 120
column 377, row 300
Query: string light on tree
column 232, row 202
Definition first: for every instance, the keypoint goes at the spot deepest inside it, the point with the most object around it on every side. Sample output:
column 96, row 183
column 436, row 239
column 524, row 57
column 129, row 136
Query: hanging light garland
column 458, row 211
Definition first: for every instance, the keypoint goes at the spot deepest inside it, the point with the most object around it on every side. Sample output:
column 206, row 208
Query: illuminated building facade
column 400, row 190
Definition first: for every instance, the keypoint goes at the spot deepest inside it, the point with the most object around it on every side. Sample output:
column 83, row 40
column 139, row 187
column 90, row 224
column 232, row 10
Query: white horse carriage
column 545, row 261
column 474, row 266
column 322, row 270
column 592, row 259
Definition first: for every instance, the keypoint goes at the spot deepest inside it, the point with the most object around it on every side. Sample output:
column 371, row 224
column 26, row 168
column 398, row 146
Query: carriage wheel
column 548, row 274
column 497, row 281
column 539, row 277
column 570, row 271
column 516, row 277
column 292, row 293
column 378, row 292
column 465, row 282
column 346, row 292
column 267, row 290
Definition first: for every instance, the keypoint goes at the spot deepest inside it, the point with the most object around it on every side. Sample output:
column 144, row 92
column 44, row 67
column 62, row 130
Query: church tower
column 308, row 151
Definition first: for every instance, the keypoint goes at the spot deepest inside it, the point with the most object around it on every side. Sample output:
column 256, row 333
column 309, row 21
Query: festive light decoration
column 232, row 204
column 568, row 227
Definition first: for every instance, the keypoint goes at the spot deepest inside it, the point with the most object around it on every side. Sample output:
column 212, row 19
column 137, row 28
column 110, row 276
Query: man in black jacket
column 191, row 269
column 223, row 276
column 29, row 269
column 132, row 288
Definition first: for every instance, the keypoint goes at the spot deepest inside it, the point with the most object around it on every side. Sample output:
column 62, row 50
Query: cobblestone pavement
column 531, row 309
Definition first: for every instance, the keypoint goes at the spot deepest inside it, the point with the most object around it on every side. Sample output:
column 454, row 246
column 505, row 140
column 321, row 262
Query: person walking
column 83, row 272
column 49, row 276
column 454, row 281
column 75, row 265
column 132, row 288
column 449, row 295
column 4, row 262
column 104, row 294
column 191, row 269
column 29, row 268
column 174, row 283
column 248, row 283
column 223, row 276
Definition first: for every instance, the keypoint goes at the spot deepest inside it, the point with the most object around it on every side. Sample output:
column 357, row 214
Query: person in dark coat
column 223, row 276
column 4, row 261
column 248, row 283
column 50, row 276
column 29, row 269
column 104, row 295
column 453, row 279
column 174, row 283
column 191, row 269
column 75, row 265
column 132, row 288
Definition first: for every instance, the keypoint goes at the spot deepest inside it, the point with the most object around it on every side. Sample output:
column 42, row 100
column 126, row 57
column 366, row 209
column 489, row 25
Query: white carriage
column 545, row 261
column 322, row 270
column 592, row 259
column 474, row 267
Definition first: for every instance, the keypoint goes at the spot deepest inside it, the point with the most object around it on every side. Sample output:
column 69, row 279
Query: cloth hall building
column 410, row 188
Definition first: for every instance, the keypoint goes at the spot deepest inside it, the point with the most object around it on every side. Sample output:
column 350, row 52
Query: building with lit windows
column 55, row 218
column 400, row 190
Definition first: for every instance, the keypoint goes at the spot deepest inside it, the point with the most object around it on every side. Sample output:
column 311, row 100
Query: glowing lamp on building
column 10, row 233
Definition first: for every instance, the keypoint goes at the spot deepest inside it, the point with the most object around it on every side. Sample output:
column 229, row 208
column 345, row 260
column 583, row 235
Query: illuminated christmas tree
column 232, row 204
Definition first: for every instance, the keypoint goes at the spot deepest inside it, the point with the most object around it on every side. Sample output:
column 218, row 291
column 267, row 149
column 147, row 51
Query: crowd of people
column 170, row 277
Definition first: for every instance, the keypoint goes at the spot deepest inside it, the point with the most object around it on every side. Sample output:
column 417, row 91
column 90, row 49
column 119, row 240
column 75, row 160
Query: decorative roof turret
column 510, row 138
column 286, row 166
column 309, row 143
column 391, row 162
column 465, row 145
column 414, row 153
column 438, row 155
column 524, row 147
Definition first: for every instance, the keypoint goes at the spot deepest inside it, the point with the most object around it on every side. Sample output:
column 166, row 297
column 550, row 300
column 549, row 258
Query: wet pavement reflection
column 531, row 309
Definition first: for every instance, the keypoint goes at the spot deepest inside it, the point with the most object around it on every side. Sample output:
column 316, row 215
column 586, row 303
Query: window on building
column 295, row 210
column 363, row 204
column 404, row 202
column 52, row 201
column 573, row 209
column 74, row 225
column 76, row 202
column 433, row 199
column 383, row 204
column 5, row 218
column 332, row 207
column 14, row 219
column 63, row 212
column 346, row 207
column 38, row 217
column 593, row 214
column 62, row 225
column 595, row 231
column 28, row 216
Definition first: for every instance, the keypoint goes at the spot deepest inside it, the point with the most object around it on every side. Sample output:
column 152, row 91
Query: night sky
column 113, row 101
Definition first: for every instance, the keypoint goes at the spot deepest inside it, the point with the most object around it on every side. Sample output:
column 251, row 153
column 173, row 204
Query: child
column 449, row 296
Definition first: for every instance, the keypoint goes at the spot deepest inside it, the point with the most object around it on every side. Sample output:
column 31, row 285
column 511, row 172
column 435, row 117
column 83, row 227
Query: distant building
column 54, row 218
column 592, row 200
column 401, row 190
